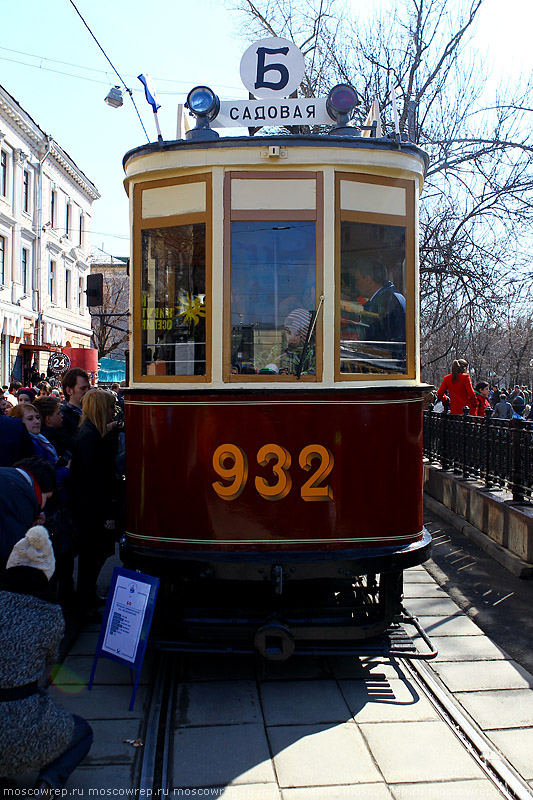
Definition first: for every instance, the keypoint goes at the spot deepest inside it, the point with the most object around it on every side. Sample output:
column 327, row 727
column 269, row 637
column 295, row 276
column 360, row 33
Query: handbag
column 62, row 530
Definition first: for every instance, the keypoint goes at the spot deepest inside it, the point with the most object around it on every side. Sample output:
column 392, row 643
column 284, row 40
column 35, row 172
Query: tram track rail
column 496, row 767
column 155, row 775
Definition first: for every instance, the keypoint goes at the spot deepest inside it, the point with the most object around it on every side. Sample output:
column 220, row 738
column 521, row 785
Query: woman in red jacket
column 459, row 388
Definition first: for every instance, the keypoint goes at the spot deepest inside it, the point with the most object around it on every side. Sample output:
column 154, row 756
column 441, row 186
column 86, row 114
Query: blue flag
column 149, row 91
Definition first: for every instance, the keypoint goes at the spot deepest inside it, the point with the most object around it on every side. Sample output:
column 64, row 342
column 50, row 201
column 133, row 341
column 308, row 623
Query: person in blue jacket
column 15, row 442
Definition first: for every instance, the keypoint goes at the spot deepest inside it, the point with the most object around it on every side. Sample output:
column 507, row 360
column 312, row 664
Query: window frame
column 68, row 287
column 315, row 215
column 141, row 224
column 4, row 263
column 81, row 291
column 53, row 208
column 52, row 280
column 407, row 221
column 4, row 174
column 26, row 192
column 25, row 268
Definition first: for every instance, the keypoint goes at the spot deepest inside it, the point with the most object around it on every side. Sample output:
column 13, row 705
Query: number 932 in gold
column 231, row 465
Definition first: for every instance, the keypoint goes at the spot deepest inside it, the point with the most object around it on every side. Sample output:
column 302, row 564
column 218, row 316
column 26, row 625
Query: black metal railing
column 496, row 451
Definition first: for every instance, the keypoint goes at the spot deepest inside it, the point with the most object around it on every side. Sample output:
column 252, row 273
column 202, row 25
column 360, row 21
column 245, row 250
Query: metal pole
column 488, row 431
column 466, row 412
column 444, row 428
column 515, row 484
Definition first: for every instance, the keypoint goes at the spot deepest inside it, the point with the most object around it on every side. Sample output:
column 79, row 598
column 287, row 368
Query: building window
column 52, row 281
column 80, row 236
column 3, row 262
column 80, row 294
column 26, row 270
column 68, row 219
column 53, row 208
column 26, row 192
column 3, row 173
column 68, row 282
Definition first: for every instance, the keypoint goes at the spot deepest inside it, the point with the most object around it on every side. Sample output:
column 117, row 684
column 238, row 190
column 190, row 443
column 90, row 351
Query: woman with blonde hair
column 98, row 406
column 459, row 388
column 93, row 492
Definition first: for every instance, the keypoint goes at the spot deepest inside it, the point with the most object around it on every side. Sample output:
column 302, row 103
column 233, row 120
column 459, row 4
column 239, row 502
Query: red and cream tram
column 274, row 416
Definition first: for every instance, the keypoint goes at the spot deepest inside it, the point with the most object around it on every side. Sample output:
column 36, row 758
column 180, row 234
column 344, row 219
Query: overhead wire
column 55, row 71
column 128, row 90
column 42, row 58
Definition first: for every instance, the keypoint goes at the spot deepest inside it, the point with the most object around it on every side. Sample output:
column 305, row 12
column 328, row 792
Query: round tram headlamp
column 341, row 101
column 203, row 102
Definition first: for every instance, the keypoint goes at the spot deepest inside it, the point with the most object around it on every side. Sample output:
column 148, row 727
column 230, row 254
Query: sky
column 52, row 66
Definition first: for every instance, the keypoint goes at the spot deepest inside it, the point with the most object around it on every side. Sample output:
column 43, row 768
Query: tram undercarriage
column 287, row 609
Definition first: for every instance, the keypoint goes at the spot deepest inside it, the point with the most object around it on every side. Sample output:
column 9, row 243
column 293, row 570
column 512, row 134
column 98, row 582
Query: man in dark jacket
column 383, row 300
column 24, row 490
column 75, row 385
column 503, row 409
column 383, row 315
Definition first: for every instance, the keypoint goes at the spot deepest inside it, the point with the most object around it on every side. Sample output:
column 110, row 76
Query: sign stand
column 126, row 624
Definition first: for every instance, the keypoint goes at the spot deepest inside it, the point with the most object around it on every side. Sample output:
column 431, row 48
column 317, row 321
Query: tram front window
column 173, row 301
column 372, row 299
column 273, row 268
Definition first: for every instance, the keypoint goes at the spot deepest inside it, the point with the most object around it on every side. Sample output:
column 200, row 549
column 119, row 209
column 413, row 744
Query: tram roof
column 285, row 140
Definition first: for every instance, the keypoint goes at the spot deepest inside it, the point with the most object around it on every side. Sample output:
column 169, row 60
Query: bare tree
column 110, row 322
column 476, row 208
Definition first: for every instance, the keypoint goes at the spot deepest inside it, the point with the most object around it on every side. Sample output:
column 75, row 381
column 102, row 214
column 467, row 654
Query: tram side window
column 372, row 298
column 273, row 275
column 173, row 301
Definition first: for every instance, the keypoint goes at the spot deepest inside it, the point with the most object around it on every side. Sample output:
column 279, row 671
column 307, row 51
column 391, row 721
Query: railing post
column 466, row 412
column 445, row 460
column 488, row 431
column 515, row 484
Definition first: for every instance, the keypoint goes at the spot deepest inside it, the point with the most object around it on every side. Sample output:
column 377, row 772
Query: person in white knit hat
column 34, row 550
column 35, row 732
column 24, row 491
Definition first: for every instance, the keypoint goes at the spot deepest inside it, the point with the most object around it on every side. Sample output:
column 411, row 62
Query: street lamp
column 114, row 97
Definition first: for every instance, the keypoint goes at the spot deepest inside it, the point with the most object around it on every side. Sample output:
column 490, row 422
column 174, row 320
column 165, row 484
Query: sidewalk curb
column 515, row 565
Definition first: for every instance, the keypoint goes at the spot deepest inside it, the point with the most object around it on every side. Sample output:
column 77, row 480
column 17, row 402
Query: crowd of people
column 59, row 447
column 456, row 392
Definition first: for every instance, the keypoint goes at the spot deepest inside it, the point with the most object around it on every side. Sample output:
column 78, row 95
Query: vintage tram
column 274, row 415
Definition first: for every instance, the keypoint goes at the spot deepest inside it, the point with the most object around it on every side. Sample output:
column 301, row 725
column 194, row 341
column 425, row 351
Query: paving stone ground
column 341, row 728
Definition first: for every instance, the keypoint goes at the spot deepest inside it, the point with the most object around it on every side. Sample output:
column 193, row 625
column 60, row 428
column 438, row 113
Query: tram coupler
column 274, row 642
column 277, row 577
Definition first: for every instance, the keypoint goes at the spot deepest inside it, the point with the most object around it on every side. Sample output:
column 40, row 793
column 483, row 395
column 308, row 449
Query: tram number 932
column 231, row 464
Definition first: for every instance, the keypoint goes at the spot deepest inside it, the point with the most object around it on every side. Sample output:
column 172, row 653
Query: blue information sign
column 127, row 620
